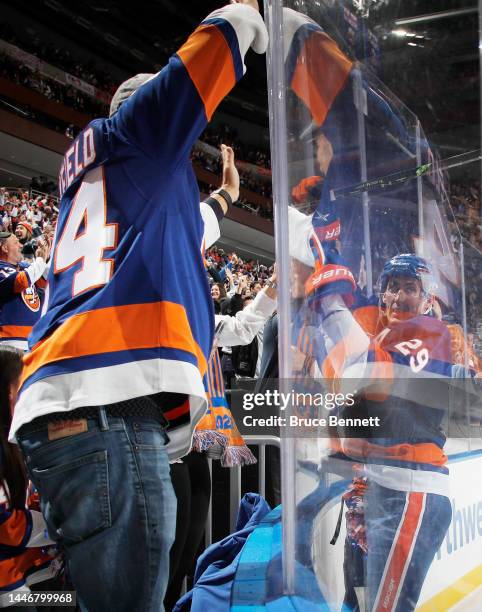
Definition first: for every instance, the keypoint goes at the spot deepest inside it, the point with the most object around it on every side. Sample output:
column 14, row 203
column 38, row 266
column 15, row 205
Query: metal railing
column 235, row 482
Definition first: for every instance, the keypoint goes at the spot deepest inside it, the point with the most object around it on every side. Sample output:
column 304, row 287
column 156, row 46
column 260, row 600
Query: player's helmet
column 408, row 265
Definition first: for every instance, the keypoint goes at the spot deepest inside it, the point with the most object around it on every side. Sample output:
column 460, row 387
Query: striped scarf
column 218, row 426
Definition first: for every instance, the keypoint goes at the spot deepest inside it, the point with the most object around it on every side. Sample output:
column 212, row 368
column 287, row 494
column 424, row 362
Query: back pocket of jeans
column 75, row 497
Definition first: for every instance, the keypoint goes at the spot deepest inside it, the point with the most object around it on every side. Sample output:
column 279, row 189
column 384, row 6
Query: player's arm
column 316, row 68
column 166, row 115
column 215, row 207
column 14, row 281
column 242, row 328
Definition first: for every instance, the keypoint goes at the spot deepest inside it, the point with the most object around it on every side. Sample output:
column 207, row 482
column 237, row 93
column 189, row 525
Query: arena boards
column 454, row 581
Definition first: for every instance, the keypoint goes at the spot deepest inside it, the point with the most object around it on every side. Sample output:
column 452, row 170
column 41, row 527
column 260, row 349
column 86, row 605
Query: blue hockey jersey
column 20, row 302
column 129, row 310
column 402, row 375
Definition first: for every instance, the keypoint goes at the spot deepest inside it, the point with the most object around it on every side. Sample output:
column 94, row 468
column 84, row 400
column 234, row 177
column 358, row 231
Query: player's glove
column 333, row 276
column 307, row 189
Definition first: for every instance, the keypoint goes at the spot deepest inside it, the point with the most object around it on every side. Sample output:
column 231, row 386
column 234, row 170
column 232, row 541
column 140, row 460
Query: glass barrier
column 379, row 307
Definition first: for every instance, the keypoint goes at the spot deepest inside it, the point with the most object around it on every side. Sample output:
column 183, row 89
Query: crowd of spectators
column 465, row 203
column 88, row 71
column 228, row 268
column 36, row 214
column 15, row 71
column 223, row 133
column 465, row 200
column 39, row 211
column 248, row 179
column 264, row 210
column 466, row 208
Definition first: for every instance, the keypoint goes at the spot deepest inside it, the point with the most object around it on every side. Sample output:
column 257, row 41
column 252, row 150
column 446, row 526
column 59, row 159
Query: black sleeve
column 215, row 274
column 234, row 305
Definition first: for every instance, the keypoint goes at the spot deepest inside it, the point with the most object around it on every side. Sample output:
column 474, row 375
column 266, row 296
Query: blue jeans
column 107, row 498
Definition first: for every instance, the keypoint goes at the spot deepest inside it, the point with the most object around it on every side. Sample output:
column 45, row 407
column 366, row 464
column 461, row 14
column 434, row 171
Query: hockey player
column 123, row 339
column 402, row 479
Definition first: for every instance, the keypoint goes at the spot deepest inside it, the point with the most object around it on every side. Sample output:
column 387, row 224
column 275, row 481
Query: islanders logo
column 31, row 299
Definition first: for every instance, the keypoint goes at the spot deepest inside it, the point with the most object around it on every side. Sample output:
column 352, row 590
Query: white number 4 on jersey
column 87, row 235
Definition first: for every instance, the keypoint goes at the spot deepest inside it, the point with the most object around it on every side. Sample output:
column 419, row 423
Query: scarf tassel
column 204, row 439
column 237, row 455
column 232, row 455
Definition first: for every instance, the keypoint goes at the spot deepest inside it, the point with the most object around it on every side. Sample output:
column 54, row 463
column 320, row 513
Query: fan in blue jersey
column 122, row 339
column 22, row 287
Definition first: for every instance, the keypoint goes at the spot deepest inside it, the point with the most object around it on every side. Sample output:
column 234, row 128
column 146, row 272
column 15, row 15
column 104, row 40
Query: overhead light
column 84, row 23
column 112, row 39
column 403, row 33
column 53, row 5
column 137, row 53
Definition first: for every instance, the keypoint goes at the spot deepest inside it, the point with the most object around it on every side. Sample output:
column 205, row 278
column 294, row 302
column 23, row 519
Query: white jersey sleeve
column 211, row 225
column 300, row 229
column 241, row 329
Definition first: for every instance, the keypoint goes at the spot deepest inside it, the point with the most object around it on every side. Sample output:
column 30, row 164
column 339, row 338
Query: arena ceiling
column 429, row 52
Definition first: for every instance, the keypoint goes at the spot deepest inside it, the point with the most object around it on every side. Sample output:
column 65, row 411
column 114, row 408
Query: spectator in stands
column 23, row 232
column 232, row 306
column 256, row 288
column 151, row 286
column 218, row 293
column 14, row 214
column 21, row 290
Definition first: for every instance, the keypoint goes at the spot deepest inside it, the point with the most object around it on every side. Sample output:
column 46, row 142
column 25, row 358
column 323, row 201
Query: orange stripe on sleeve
column 118, row 328
column 15, row 331
column 320, row 74
column 212, row 69
column 22, row 281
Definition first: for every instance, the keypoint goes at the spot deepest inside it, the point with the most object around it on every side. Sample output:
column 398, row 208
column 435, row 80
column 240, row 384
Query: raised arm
column 166, row 114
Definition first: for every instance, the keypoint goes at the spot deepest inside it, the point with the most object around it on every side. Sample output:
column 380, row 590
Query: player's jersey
column 406, row 364
column 20, row 304
column 129, row 310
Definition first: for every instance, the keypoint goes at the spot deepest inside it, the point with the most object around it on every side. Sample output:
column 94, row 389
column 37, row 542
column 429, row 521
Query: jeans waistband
column 136, row 407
